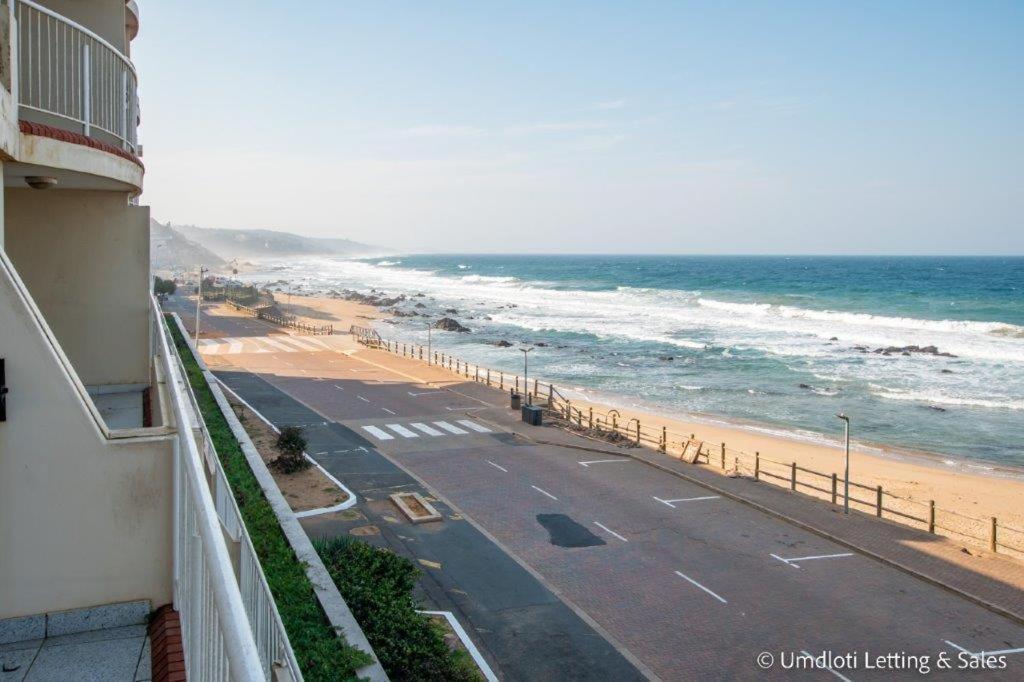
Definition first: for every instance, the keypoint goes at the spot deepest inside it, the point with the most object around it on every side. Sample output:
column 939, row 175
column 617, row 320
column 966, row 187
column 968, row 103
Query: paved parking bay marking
column 496, row 466
column 792, row 560
column 972, row 654
column 609, row 530
column 697, row 584
column 402, row 431
column 840, row 676
column 429, row 430
column 362, row 398
column 601, row 461
column 387, row 410
column 463, row 409
column 338, row 387
column 450, row 428
column 669, row 503
column 469, row 424
column 415, row 395
column 380, row 434
column 544, row 492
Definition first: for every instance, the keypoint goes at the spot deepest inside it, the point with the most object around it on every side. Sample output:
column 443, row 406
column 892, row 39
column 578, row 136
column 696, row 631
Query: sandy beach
column 917, row 477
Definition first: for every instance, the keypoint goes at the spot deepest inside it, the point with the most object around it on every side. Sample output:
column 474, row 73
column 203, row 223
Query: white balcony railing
column 231, row 629
column 66, row 70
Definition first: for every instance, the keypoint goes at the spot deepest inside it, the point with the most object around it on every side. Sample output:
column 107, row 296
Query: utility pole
column 846, row 475
column 199, row 300
column 526, row 372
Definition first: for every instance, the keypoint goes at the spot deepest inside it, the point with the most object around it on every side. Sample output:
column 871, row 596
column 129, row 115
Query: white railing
column 277, row 659
column 218, row 640
column 68, row 71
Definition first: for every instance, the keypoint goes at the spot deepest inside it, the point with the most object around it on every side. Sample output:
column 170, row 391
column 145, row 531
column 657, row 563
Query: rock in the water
column 502, row 344
column 451, row 311
column 450, row 325
column 666, row 358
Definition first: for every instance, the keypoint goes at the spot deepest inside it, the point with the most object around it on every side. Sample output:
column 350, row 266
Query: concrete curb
column 333, row 604
column 984, row 603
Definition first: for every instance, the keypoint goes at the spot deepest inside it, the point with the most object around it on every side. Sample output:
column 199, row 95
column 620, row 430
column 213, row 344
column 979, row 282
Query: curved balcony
column 71, row 78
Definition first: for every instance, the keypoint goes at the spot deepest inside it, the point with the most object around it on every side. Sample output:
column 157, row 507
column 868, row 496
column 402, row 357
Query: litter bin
column 533, row 415
column 517, row 400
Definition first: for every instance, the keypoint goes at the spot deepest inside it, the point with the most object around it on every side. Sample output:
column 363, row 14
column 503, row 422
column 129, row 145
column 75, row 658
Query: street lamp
column 526, row 373
column 199, row 300
column 846, row 475
column 429, row 346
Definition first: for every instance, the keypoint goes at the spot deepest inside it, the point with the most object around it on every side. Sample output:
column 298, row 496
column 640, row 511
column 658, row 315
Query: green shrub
column 322, row 655
column 291, row 444
column 377, row 585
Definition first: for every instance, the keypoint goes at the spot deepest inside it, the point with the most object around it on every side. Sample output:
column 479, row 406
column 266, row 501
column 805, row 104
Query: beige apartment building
column 106, row 512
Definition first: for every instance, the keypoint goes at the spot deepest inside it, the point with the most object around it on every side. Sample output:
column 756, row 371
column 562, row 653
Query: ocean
column 779, row 344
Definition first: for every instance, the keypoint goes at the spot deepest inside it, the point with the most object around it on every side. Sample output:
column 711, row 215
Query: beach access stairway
column 909, row 534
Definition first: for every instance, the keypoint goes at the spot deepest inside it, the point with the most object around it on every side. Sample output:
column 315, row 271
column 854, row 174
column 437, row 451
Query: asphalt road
column 692, row 586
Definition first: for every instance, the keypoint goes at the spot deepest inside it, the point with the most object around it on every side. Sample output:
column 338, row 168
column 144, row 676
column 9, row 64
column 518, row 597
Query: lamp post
column 526, row 372
column 846, row 474
column 199, row 300
column 430, row 356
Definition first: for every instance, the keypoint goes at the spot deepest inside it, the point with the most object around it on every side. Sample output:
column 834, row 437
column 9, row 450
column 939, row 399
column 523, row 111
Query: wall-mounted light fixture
column 40, row 181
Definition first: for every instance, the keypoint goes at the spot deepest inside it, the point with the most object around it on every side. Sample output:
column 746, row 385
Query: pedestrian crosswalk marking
column 281, row 343
column 470, row 424
column 402, row 431
column 380, row 434
column 451, row 428
column 279, row 346
column 429, row 430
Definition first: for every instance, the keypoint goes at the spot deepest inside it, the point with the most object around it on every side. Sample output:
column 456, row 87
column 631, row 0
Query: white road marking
column 840, row 676
column 1002, row 652
column 544, row 492
column 792, row 561
column 207, row 342
column 316, row 342
column 697, row 584
column 609, row 530
column 415, row 395
column 277, row 344
column 362, row 398
column 463, row 409
column 496, row 466
column 387, row 410
column 451, row 428
column 470, row 424
column 338, row 387
column 429, row 430
column 685, row 499
column 601, row 461
column 380, row 434
column 234, row 346
column 474, row 653
column 402, row 431
column 302, row 345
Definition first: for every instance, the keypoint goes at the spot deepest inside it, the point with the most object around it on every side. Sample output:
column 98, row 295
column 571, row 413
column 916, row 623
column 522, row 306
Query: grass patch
column 321, row 654
column 377, row 585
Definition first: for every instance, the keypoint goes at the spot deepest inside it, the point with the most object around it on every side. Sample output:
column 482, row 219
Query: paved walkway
column 109, row 655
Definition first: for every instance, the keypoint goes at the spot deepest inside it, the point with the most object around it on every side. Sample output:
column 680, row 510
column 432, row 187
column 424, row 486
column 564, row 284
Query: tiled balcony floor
column 119, row 654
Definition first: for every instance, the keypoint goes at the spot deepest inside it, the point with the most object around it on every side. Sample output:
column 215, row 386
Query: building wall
column 103, row 17
column 84, row 256
column 84, row 520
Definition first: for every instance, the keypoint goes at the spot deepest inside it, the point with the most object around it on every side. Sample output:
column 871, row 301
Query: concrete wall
column 84, row 256
column 84, row 520
column 105, row 18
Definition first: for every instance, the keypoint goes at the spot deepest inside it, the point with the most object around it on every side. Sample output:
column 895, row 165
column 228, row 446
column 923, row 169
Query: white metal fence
column 66, row 70
column 231, row 628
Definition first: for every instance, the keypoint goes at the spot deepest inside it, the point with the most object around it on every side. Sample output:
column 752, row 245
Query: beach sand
column 917, row 477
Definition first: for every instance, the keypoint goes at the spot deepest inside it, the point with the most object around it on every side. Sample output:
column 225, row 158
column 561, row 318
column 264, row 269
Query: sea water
column 777, row 343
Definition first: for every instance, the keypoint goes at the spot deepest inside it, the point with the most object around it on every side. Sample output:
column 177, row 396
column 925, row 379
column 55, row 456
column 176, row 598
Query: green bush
column 377, row 585
column 322, row 655
column 164, row 286
column 291, row 444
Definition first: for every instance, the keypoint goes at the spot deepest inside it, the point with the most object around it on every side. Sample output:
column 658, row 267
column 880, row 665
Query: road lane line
column 402, row 431
column 601, row 461
column 668, row 503
column 429, row 430
column 493, row 464
column 338, row 387
column 451, row 428
column 695, row 584
column 380, row 434
column 792, row 560
column 414, row 395
column 840, row 676
column 544, row 492
column 609, row 530
column 362, row 398
column 387, row 410
column 470, row 424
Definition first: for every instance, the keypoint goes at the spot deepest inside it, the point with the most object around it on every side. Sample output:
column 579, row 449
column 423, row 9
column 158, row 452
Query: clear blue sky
column 714, row 127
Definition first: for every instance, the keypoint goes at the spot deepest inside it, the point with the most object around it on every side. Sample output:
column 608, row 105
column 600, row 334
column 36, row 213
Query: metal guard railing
column 65, row 70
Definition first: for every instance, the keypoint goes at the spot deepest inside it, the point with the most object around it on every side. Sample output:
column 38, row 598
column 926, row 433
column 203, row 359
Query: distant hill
column 171, row 250
column 270, row 243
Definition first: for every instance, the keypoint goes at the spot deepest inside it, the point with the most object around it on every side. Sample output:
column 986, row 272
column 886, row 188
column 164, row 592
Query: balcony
column 71, row 78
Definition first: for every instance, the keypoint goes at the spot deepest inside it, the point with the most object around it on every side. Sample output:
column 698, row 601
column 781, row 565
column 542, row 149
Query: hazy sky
column 714, row 127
